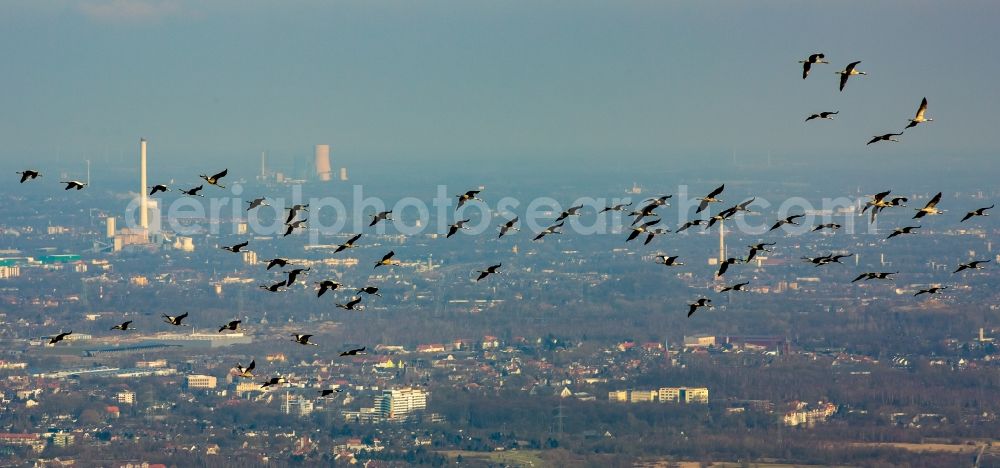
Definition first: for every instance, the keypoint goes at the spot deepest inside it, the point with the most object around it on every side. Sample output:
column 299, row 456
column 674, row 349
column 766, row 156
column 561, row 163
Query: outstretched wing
column 934, row 201
column 220, row 175
column 717, row 191
column 701, row 206
column 921, row 110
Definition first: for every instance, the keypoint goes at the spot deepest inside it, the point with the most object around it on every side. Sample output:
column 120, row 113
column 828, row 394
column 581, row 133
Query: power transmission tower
column 559, row 421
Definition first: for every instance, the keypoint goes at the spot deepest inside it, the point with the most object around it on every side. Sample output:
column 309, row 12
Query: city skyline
column 520, row 233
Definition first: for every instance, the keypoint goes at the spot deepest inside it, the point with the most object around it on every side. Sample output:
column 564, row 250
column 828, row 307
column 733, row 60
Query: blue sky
column 453, row 80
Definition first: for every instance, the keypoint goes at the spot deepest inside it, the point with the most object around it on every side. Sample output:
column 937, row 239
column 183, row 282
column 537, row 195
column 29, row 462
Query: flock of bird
column 845, row 74
column 646, row 222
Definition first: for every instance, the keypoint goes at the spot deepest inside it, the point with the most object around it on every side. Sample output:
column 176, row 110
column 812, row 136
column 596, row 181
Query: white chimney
column 143, row 215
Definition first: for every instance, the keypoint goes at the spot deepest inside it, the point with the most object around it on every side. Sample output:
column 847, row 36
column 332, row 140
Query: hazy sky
column 442, row 80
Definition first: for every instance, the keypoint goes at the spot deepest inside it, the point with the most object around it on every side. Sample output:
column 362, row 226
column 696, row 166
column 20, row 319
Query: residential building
column 620, row 396
column 642, row 396
column 201, row 381
column 126, row 397
column 398, row 404
column 296, row 404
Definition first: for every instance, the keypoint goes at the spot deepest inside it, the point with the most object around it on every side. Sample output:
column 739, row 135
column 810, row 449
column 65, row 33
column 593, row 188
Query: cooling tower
column 323, row 171
column 143, row 198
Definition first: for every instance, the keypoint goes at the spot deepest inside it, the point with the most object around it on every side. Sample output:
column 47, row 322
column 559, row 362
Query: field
column 511, row 457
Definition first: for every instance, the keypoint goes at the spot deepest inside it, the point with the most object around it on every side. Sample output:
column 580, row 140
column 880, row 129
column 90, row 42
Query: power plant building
column 323, row 171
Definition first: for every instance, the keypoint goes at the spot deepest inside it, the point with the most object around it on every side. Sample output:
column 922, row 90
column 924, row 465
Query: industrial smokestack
column 143, row 201
column 323, row 163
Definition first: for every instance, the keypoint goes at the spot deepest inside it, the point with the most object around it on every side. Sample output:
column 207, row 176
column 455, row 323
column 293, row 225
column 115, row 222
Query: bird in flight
column 818, row 261
column 370, row 290
column 849, row 72
column 978, row 212
column 874, row 275
column 349, row 244
column 326, row 285
column 235, row 248
column 455, row 227
column 350, row 304
column 233, row 325
column 571, row 211
column 289, row 228
column 387, row 260
column 279, row 380
column 722, row 216
column 826, row 259
column 274, row 287
column 879, row 203
column 653, row 233
column 214, row 180
column 127, row 325
column 809, row 62
column 761, row 247
column 789, row 220
column 354, row 352
column 641, row 229
column 710, row 198
column 73, row 184
column 175, row 321
column 193, row 192
column 930, row 208
column 724, row 265
column 158, row 188
column 641, row 213
column 294, row 211
column 696, row 222
column 618, row 207
column 380, row 216
column 745, row 206
column 470, row 195
column 59, row 337
column 278, row 262
column 660, row 200
column 293, row 274
column 973, row 265
column 822, row 115
column 246, row 372
column 897, row 201
column 884, row 137
column 933, row 290
column 508, row 226
column 257, row 202
column 488, row 271
column 666, row 260
column 701, row 302
column 901, row 231
column 838, row 258
column 735, row 287
column 830, row 226
column 919, row 118
column 553, row 229
column 302, row 339
column 29, row 174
